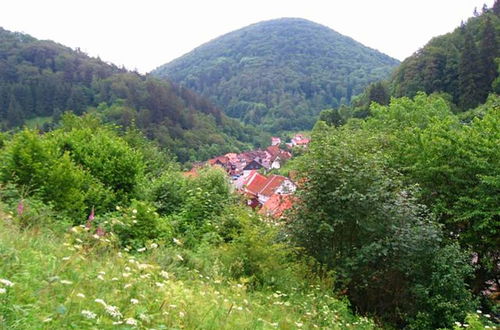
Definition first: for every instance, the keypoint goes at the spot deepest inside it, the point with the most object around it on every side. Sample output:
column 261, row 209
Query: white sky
column 145, row 34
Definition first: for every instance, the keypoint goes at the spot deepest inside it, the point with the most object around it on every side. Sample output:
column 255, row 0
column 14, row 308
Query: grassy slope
column 57, row 276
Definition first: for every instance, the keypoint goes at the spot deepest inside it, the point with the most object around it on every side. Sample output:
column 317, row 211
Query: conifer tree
column 488, row 51
column 14, row 113
column 468, row 74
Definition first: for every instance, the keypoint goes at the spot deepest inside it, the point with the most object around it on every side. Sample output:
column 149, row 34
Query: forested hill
column 460, row 63
column 42, row 79
column 279, row 74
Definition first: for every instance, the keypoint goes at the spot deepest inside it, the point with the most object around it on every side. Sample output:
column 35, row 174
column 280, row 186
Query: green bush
column 140, row 225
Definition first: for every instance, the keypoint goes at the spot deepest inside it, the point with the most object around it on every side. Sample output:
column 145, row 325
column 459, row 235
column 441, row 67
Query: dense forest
column 41, row 79
column 461, row 63
column 279, row 74
column 462, row 66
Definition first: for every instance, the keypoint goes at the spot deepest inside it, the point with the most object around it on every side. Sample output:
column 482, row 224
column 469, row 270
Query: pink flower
column 100, row 231
column 90, row 219
column 20, row 208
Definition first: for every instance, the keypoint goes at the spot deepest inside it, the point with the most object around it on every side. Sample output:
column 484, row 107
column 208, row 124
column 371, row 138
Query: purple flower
column 90, row 219
column 20, row 208
column 100, row 231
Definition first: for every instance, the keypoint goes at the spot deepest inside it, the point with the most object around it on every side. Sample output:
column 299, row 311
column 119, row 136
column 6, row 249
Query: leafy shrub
column 140, row 225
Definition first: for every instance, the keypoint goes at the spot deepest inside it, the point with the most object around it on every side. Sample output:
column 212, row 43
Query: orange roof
column 193, row 173
column 256, row 183
column 276, row 205
column 303, row 141
column 273, row 150
column 272, row 183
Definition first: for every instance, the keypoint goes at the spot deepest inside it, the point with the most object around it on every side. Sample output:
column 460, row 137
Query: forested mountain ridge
column 43, row 79
column 279, row 74
column 460, row 63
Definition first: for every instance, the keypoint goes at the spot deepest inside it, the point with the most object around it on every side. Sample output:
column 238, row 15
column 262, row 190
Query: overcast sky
column 145, row 34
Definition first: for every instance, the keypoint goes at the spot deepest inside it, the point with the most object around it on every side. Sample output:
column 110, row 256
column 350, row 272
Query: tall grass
column 76, row 280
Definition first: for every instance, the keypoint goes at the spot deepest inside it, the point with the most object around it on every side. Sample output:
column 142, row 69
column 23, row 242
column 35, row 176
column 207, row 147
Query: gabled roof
column 272, row 183
column 255, row 183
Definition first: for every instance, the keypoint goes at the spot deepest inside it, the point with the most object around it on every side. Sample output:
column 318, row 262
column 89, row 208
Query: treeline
column 279, row 74
column 462, row 63
column 403, row 207
column 461, row 66
column 44, row 79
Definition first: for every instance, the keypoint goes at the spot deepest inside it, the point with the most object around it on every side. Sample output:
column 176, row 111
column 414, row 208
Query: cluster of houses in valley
column 272, row 194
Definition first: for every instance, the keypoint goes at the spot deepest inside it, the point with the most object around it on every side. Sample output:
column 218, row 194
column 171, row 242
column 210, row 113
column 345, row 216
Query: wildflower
column 20, row 208
column 117, row 208
column 95, row 236
column 134, row 301
column 3, row 290
column 117, row 322
column 66, row 282
column 131, row 321
column 114, row 279
column 126, row 286
column 141, row 249
column 88, row 314
column 134, row 211
column 299, row 324
column 144, row 317
column 182, row 314
column 164, row 274
column 6, row 282
column 180, row 257
column 478, row 311
column 100, row 231
column 113, row 311
column 90, row 219
column 100, row 277
column 176, row 241
column 48, row 319
column 153, row 246
column 487, row 315
column 66, row 258
column 160, row 285
column 126, row 274
column 80, row 295
column 100, row 301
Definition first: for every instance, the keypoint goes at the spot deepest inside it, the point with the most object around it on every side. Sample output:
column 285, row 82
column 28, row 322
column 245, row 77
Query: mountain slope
column 460, row 63
column 279, row 73
column 42, row 79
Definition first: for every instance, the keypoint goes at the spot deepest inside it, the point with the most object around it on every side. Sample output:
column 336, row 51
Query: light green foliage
column 82, row 281
column 456, row 165
column 362, row 215
column 140, row 225
column 168, row 192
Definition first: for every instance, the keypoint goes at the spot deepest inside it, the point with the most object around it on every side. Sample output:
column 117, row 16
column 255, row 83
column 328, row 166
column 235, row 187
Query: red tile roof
column 256, row 183
column 272, row 183
column 276, row 205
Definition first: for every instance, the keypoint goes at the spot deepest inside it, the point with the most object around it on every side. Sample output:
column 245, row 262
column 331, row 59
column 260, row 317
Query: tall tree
column 14, row 113
column 468, row 75
column 488, row 51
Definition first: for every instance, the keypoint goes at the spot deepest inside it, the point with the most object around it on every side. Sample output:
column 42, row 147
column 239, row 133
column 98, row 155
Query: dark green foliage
column 468, row 74
column 43, row 79
column 461, row 63
column 279, row 74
